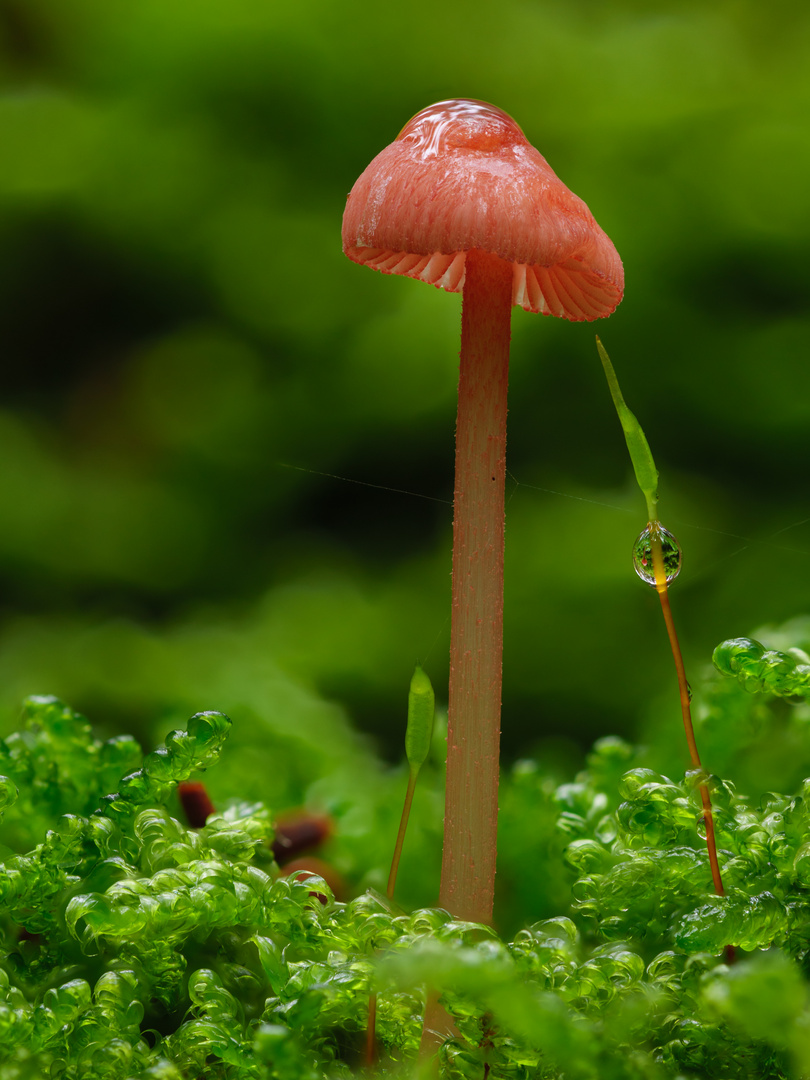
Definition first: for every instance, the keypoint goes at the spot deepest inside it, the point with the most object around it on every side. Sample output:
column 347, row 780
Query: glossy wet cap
column 462, row 175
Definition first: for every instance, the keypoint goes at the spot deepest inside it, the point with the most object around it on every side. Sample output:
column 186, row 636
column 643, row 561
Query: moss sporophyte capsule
column 421, row 708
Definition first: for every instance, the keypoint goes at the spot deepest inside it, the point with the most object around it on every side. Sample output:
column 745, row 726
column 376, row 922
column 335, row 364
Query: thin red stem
column 403, row 825
column 371, row 1031
column 371, row 1035
column 476, row 645
column 686, row 704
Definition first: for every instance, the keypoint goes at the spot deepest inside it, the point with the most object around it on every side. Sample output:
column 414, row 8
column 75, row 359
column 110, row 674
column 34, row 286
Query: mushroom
column 462, row 200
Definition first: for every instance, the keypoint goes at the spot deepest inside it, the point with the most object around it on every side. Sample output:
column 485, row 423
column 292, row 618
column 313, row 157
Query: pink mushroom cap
column 461, row 175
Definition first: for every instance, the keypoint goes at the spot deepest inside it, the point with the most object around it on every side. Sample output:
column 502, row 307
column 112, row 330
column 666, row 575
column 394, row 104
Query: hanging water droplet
column 643, row 556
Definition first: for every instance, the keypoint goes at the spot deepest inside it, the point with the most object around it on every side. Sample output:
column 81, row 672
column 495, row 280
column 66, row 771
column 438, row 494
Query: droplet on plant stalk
column 643, row 556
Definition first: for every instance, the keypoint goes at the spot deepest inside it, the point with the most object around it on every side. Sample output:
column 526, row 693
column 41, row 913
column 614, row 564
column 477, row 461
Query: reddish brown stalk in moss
column 418, row 739
column 685, row 696
column 462, row 200
column 661, row 587
column 658, row 569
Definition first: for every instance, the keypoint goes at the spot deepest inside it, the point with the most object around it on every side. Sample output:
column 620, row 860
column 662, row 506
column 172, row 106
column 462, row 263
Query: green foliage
column 134, row 945
column 173, row 178
column 758, row 668
column 637, row 445
column 179, row 324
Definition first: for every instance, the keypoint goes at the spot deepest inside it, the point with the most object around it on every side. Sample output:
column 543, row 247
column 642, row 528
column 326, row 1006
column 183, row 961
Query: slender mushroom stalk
column 461, row 200
column 476, row 636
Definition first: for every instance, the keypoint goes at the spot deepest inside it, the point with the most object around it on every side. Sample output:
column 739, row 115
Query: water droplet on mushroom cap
column 643, row 556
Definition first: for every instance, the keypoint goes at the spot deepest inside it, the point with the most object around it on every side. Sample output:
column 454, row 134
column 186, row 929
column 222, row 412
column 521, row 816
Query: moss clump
column 134, row 945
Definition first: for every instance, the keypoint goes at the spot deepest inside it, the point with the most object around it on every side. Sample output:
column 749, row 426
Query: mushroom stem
column 476, row 640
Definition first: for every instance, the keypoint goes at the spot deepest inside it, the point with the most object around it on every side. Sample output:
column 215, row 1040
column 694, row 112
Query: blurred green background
column 190, row 365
